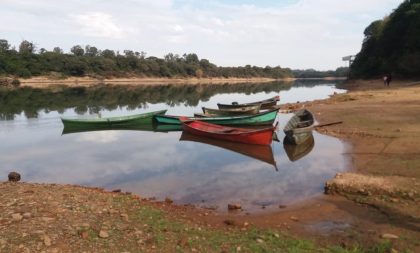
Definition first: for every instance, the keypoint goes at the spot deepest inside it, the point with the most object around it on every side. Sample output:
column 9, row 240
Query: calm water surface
column 159, row 164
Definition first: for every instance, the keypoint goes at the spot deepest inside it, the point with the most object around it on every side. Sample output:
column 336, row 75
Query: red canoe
column 243, row 135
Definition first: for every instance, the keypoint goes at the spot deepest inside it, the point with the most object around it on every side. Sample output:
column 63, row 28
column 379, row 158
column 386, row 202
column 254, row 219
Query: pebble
column 234, row 206
column 27, row 215
column 293, row 218
column 259, row 240
column 47, row 219
column 389, row 236
column 17, row 217
column 103, row 234
column 229, row 222
column 124, row 216
column 47, row 240
column 84, row 234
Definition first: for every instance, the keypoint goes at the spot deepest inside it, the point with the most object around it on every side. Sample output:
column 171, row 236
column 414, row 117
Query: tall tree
column 77, row 50
column 91, row 51
column 57, row 50
column 4, row 45
column 108, row 53
column 26, row 47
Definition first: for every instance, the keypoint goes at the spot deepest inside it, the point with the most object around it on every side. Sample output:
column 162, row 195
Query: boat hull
column 112, row 122
column 248, row 110
column 266, row 118
column 265, row 104
column 242, row 135
column 301, row 123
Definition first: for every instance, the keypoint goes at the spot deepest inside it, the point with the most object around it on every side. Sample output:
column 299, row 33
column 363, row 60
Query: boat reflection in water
column 260, row 152
column 295, row 152
column 146, row 127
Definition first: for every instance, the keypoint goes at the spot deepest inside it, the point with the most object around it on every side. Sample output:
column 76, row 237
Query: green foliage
column 77, row 50
column 107, row 63
column 391, row 45
column 24, row 73
column 312, row 73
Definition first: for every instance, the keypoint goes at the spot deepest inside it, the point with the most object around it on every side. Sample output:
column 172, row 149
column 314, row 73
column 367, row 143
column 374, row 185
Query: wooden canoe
column 242, row 135
column 252, row 109
column 132, row 120
column 295, row 152
column 265, row 104
column 260, row 152
column 264, row 118
column 302, row 122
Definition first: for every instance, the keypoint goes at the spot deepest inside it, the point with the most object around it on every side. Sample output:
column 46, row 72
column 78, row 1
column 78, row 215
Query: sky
column 297, row 34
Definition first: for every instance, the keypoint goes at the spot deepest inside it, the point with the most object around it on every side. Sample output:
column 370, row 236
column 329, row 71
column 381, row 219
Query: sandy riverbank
column 381, row 124
column 47, row 82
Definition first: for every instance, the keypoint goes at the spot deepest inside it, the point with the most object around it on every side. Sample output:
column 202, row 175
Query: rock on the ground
column 389, row 236
column 234, row 206
column 17, row 217
column 103, row 234
column 14, row 176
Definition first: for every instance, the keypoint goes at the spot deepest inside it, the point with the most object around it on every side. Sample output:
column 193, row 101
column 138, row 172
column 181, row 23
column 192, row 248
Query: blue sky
column 291, row 33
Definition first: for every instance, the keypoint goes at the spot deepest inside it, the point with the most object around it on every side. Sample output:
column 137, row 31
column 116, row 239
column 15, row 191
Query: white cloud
column 98, row 24
column 300, row 34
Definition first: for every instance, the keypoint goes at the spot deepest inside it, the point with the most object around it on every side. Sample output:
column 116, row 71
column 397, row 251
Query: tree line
column 391, row 45
column 27, row 61
column 312, row 73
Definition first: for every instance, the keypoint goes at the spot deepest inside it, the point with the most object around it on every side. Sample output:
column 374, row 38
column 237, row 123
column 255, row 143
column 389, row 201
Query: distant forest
column 391, row 45
column 27, row 61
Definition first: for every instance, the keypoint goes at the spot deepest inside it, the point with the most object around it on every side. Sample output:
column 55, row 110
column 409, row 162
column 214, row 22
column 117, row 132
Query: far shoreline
column 51, row 82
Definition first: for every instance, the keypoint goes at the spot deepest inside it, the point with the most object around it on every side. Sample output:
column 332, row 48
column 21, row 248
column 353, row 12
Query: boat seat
column 304, row 123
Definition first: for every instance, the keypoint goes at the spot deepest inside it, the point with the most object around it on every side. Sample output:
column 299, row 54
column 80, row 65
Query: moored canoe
column 265, row 104
column 264, row 118
column 131, row 120
column 302, row 122
column 242, row 135
column 252, row 109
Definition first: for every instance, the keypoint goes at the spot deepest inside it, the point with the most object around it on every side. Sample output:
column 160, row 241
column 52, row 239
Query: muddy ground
column 382, row 126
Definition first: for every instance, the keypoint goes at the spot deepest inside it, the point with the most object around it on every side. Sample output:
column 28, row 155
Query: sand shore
column 46, row 82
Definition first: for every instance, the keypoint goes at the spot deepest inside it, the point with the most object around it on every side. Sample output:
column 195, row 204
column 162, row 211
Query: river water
column 164, row 164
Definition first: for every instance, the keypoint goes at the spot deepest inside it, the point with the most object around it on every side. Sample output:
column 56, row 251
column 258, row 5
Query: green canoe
column 111, row 122
column 264, row 118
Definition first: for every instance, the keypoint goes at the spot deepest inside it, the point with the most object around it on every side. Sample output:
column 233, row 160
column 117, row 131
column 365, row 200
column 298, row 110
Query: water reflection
column 260, row 152
column 295, row 152
column 153, row 162
column 31, row 101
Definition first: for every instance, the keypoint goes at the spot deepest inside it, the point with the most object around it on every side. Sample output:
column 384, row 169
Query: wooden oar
column 329, row 124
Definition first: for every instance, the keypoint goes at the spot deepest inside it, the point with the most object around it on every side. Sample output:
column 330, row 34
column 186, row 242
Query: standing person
column 385, row 80
column 388, row 79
